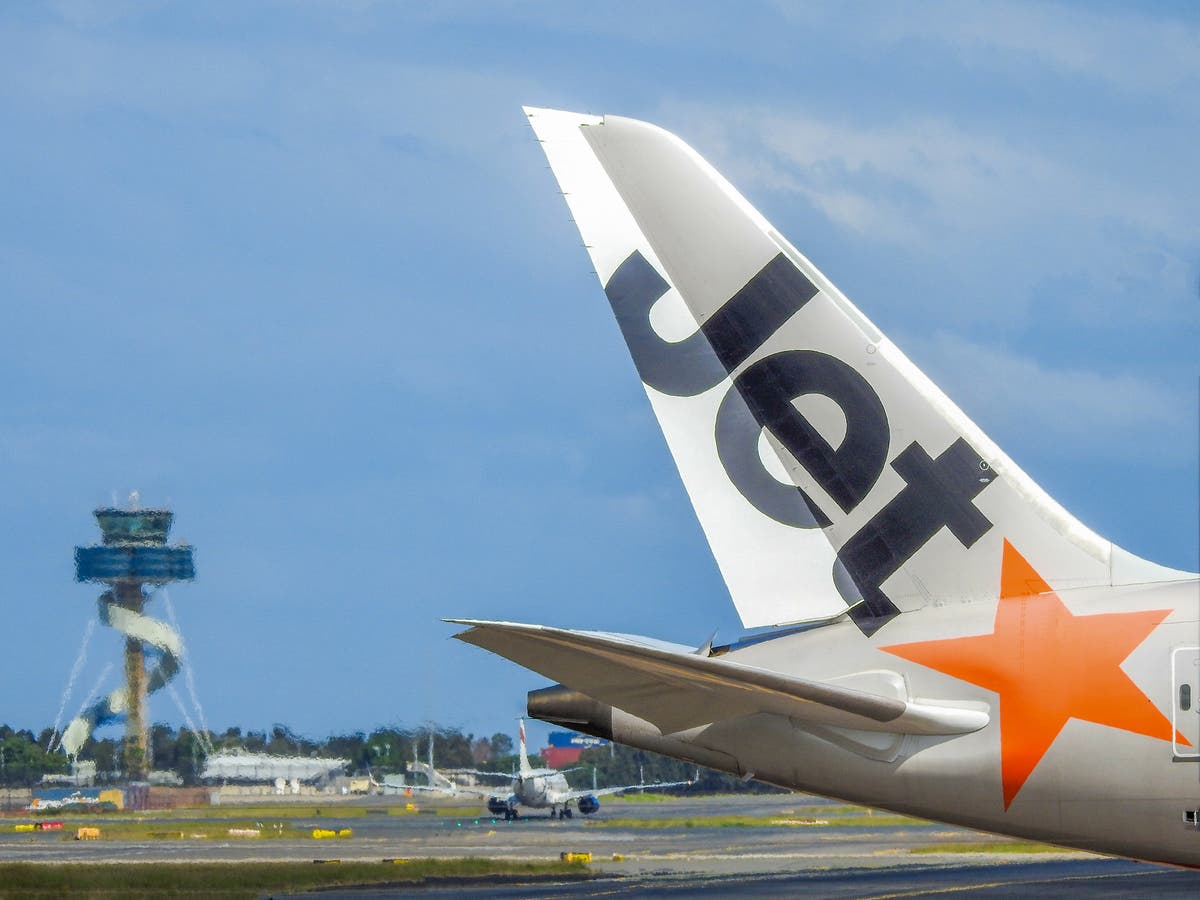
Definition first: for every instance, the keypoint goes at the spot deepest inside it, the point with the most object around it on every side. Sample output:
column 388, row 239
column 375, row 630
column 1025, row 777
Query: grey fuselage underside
column 1097, row 788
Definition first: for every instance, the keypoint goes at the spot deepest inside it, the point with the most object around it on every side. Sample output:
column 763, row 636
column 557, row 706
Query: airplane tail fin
column 828, row 472
column 435, row 778
column 522, row 754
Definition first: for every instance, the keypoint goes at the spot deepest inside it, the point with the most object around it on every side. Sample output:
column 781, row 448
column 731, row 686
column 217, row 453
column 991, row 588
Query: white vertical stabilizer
column 828, row 472
column 775, row 573
column 522, row 753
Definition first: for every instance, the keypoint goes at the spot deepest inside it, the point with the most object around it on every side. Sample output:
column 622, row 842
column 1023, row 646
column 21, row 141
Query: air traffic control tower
column 134, row 553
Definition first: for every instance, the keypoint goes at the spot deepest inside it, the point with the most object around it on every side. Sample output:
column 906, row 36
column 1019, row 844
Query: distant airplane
column 948, row 641
column 528, row 787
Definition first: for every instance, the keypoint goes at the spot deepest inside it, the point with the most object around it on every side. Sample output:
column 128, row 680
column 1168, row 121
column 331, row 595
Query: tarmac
column 798, row 845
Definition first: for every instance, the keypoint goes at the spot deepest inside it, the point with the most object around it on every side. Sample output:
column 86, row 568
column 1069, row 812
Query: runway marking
column 667, row 883
column 960, row 888
column 902, row 860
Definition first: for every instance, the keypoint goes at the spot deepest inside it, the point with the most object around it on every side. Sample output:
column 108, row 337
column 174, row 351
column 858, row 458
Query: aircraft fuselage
column 1095, row 750
column 539, row 791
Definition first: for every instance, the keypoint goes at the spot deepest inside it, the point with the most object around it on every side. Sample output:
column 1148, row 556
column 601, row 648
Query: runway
column 1104, row 879
column 787, row 845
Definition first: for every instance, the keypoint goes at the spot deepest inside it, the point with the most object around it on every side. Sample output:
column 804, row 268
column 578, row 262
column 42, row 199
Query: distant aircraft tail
column 525, row 769
column 828, row 472
column 436, row 779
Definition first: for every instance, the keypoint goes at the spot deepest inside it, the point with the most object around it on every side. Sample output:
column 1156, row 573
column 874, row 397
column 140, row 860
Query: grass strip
column 992, row 847
column 141, row 831
column 234, row 812
column 237, row 880
column 288, row 811
column 774, row 821
column 882, row 820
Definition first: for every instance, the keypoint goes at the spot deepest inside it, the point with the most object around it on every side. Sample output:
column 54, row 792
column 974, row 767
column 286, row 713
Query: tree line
column 24, row 757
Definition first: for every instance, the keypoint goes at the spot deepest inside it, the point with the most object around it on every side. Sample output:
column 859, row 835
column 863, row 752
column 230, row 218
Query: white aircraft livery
column 950, row 643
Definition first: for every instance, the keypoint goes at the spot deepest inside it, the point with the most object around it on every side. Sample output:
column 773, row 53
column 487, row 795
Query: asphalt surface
column 821, row 858
column 1105, row 879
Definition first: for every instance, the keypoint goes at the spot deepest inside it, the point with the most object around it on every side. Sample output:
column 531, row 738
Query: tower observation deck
column 132, row 555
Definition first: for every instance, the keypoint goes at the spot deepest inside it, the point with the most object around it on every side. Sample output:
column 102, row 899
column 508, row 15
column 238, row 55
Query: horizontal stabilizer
column 675, row 689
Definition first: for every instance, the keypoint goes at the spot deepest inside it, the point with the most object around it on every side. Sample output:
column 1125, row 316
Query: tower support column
column 136, row 755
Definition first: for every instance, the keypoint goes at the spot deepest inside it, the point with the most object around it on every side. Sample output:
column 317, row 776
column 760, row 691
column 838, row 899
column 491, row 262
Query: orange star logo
column 1048, row 665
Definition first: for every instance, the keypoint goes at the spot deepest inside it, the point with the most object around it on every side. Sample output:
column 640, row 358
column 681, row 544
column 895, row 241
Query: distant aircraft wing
column 675, row 689
column 452, row 791
column 601, row 792
column 480, row 773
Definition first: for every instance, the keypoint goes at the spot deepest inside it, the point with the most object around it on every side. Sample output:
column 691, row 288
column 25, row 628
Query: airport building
column 566, row 747
column 265, row 768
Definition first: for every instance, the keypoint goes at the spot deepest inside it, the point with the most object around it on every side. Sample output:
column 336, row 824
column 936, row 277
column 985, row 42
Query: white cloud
column 1069, row 412
column 911, row 179
column 94, row 13
column 1003, row 221
column 1128, row 50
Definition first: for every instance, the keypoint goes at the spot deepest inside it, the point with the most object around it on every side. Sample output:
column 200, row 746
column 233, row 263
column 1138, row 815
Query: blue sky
column 300, row 271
